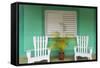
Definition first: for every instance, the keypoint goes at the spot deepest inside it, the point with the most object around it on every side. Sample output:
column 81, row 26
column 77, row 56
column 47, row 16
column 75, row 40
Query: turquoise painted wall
column 32, row 24
column 21, row 31
column 31, row 20
column 87, row 25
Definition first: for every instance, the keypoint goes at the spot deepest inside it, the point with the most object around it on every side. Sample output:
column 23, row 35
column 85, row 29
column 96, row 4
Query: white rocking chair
column 82, row 48
column 41, row 52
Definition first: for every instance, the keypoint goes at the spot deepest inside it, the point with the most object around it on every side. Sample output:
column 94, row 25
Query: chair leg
column 48, row 60
column 29, row 60
column 75, row 57
column 90, row 57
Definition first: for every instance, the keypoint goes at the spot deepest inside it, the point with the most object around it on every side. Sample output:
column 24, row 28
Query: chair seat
column 38, row 59
column 83, row 54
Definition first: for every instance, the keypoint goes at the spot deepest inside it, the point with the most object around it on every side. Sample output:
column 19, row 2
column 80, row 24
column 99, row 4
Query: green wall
column 21, row 31
column 87, row 25
column 30, row 24
column 31, row 19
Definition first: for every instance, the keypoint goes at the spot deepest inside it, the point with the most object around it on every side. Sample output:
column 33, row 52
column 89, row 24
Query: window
column 63, row 22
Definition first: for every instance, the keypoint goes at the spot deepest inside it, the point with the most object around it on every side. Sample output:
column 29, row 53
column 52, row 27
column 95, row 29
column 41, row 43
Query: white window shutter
column 63, row 22
column 70, row 23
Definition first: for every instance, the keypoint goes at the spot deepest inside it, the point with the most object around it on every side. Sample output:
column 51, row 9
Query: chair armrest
column 49, row 51
column 28, row 52
column 90, row 50
column 75, row 49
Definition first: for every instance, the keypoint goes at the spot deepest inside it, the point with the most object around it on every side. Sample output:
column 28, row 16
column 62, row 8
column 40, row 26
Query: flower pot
column 61, row 55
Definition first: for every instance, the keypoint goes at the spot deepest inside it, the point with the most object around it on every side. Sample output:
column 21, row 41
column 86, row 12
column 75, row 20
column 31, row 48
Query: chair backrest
column 40, row 45
column 82, row 44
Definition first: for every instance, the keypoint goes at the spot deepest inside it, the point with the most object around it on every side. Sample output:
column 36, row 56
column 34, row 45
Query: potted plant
column 59, row 43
